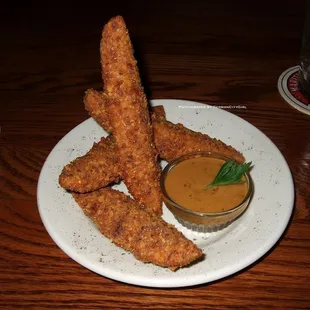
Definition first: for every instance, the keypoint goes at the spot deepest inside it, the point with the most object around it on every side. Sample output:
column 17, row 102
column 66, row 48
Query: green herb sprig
column 230, row 173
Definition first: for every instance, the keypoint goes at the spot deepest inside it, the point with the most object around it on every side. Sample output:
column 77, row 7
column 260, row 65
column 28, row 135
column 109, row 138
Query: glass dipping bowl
column 200, row 221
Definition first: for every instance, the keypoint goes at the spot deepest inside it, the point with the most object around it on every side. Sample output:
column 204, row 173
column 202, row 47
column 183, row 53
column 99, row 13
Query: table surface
column 215, row 52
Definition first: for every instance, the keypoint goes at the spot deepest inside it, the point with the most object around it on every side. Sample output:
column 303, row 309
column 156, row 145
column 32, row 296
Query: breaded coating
column 95, row 105
column 158, row 111
column 135, row 229
column 175, row 140
column 97, row 168
column 129, row 118
column 100, row 166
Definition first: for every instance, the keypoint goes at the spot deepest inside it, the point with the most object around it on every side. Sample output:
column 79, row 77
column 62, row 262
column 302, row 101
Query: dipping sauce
column 186, row 181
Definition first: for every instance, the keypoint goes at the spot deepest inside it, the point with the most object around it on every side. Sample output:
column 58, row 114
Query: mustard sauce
column 186, row 181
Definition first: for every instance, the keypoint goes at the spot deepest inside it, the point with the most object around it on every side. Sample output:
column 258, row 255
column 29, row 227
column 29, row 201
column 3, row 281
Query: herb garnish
column 230, row 173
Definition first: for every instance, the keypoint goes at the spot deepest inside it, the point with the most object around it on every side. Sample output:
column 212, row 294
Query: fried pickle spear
column 95, row 104
column 175, row 140
column 128, row 114
column 98, row 168
column 171, row 140
column 135, row 229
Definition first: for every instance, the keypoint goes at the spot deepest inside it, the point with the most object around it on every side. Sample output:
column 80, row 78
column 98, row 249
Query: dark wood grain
column 215, row 52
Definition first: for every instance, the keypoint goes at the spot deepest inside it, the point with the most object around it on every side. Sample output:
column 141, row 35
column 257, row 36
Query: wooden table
column 216, row 52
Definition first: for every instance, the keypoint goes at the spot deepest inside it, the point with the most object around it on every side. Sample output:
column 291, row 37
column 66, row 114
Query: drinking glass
column 304, row 66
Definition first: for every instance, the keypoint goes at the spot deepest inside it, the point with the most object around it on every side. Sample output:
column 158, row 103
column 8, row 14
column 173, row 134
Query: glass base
column 304, row 88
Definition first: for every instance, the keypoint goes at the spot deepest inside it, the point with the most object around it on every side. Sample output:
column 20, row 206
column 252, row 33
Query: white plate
column 227, row 251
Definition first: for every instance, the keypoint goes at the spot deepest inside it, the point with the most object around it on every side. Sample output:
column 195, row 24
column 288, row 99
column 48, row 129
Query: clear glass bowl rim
column 176, row 161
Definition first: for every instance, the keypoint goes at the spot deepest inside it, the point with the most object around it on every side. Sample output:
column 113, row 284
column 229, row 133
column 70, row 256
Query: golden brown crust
column 173, row 141
column 128, row 115
column 133, row 228
column 97, row 168
column 95, row 105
